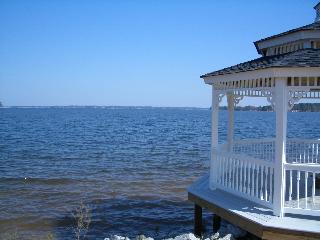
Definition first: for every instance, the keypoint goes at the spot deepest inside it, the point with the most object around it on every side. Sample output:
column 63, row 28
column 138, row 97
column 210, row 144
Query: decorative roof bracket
column 269, row 95
column 295, row 96
column 237, row 99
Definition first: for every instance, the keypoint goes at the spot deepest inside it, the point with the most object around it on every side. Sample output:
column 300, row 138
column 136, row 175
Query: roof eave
column 257, row 47
column 264, row 73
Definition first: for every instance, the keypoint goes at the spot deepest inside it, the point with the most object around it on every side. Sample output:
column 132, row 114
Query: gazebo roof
column 312, row 26
column 300, row 58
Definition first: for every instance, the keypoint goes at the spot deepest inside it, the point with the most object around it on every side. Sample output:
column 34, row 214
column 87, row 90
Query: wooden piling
column 197, row 220
column 216, row 223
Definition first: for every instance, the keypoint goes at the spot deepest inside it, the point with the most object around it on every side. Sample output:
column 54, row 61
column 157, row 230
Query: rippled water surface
column 130, row 166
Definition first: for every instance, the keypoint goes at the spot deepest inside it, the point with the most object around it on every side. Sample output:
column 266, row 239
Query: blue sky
column 137, row 53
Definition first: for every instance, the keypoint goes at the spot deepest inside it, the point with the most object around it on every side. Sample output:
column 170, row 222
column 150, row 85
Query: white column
column 230, row 120
column 281, row 108
column 214, row 137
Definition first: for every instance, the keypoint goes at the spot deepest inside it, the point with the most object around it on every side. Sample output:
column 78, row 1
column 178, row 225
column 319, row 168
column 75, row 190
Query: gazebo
column 267, row 182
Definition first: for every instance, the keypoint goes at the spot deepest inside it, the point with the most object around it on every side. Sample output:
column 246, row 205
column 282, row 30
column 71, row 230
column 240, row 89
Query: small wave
column 44, row 181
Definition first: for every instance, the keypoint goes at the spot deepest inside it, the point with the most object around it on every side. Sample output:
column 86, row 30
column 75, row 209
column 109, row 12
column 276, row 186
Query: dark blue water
column 130, row 166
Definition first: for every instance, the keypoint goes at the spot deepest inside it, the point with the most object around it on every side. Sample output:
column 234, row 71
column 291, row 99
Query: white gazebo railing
column 247, row 169
column 246, row 176
column 303, row 151
column 302, row 197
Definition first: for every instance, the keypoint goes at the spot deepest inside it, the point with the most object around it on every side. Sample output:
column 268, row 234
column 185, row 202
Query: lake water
column 130, row 166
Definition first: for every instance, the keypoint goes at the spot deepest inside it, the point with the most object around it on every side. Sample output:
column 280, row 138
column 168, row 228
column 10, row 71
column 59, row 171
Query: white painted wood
column 248, row 171
column 253, row 211
column 298, row 188
column 313, row 186
column 302, row 211
column 214, row 137
column 237, row 176
column 290, row 189
column 281, row 105
column 230, row 100
column 261, row 182
column 257, row 179
column 306, row 188
column 265, row 183
column 303, row 167
column 265, row 73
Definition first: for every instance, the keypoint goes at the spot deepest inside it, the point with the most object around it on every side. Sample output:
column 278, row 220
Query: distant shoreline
column 301, row 107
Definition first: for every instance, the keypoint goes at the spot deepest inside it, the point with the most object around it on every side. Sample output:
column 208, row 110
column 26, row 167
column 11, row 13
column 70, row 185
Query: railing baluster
column 316, row 152
column 252, row 180
column 265, row 183
column 290, row 188
column 249, row 178
column 298, row 188
column 230, row 172
column 222, row 173
column 225, row 172
column 271, row 189
column 296, row 158
column 245, row 177
column 237, row 175
column 313, row 152
column 220, row 170
column 306, row 188
column 219, row 173
column 270, row 182
column 241, row 181
column 313, row 186
column 234, row 173
column 257, row 180
column 261, row 182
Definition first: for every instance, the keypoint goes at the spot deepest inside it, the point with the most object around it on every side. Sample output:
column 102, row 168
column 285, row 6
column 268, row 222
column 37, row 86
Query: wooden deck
column 254, row 218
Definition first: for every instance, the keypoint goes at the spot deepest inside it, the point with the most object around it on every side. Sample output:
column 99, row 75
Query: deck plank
column 252, row 217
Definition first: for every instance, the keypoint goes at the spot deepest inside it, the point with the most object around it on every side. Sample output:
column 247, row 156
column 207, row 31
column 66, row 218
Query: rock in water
column 143, row 237
column 116, row 237
column 215, row 236
column 187, row 236
column 228, row 237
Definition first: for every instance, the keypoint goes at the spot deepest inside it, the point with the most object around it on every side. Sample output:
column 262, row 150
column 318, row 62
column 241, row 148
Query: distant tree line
column 300, row 107
column 307, row 107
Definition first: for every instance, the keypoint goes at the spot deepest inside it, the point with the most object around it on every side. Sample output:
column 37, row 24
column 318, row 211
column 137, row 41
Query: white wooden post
column 230, row 120
column 214, row 137
column 281, row 107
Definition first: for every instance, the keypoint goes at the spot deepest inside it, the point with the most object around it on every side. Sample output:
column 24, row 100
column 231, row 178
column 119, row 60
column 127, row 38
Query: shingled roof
column 300, row 58
column 312, row 26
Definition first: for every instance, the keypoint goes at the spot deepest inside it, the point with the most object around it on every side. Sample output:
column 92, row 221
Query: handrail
column 308, row 167
column 254, row 140
column 248, row 158
column 299, row 140
column 257, row 140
